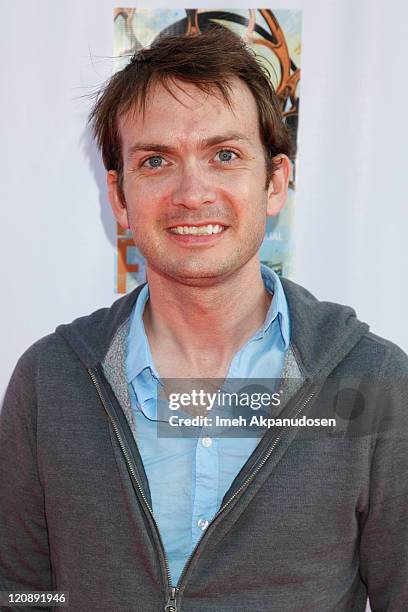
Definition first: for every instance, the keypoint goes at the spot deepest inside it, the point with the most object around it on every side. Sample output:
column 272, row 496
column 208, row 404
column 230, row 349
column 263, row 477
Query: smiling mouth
column 197, row 230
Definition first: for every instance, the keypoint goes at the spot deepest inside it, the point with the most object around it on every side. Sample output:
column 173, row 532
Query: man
column 93, row 501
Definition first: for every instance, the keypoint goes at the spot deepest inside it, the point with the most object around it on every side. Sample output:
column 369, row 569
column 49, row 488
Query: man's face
column 194, row 183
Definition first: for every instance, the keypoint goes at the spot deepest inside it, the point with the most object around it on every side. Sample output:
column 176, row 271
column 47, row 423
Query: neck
column 206, row 321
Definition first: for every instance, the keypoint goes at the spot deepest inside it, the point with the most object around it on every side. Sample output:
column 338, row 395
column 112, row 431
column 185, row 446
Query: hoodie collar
column 322, row 333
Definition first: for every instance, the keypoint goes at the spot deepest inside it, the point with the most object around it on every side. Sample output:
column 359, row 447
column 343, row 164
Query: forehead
column 186, row 113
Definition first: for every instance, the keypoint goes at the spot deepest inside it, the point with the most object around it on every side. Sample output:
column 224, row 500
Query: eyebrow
column 205, row 143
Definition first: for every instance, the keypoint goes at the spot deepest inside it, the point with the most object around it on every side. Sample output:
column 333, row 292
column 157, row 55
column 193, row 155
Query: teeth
column 197, row 230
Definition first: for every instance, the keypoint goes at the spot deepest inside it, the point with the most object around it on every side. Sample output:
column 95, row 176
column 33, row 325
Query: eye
column 226, row 156
column 153, row 162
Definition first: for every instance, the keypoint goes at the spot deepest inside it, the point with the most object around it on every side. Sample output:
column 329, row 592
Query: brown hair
column 208, row 59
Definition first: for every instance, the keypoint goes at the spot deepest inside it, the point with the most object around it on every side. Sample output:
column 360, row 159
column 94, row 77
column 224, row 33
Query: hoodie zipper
column 172, row 591
column 171, row 603
column 244, row 485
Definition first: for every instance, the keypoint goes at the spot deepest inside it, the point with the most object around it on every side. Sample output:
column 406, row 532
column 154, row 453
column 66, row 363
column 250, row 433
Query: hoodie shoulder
column 322, row 333
column 90, row 336
column 323, row 329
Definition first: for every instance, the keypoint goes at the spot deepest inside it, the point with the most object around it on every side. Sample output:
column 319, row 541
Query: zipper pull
column 171, row 605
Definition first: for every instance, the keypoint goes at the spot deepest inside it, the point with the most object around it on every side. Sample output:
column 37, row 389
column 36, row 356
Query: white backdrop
column 57, row 233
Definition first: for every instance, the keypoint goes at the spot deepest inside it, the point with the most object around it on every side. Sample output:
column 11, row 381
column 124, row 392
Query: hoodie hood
column 91, row 336
column 322, row 333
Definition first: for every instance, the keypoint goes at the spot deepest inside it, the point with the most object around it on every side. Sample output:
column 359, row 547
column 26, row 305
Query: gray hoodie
column 316, row 520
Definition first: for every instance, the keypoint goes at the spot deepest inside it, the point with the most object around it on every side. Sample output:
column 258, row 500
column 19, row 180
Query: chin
column 201, row 275
column 202, row 270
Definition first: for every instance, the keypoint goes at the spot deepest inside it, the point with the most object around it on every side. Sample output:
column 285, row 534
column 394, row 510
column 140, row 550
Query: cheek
column 139, row 202
column 250, row 198
column 145, row 195
column 246, row 184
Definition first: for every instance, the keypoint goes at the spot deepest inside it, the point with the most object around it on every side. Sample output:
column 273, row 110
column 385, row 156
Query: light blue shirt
column 189, row 476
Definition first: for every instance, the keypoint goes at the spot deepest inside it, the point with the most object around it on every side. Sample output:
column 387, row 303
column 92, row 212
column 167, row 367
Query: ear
column 278, row 186
column 117, row 200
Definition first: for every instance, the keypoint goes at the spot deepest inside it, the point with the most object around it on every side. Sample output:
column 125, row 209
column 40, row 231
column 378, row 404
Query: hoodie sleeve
column 384, row 538
column 24, row 550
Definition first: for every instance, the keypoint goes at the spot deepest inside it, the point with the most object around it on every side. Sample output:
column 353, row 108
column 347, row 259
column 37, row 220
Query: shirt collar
column 140, row 358
column 278, row 308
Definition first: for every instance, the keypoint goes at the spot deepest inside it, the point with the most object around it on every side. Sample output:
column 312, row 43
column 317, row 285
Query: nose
column 194, row 188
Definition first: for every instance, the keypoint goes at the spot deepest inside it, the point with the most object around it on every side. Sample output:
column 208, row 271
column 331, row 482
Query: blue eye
column 226, row 156
column 154, row 162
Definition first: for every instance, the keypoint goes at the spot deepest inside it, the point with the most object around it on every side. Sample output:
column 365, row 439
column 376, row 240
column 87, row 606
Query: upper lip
column 197, row 224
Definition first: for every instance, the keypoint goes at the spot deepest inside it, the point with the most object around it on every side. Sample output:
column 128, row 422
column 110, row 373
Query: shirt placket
column 206, row 483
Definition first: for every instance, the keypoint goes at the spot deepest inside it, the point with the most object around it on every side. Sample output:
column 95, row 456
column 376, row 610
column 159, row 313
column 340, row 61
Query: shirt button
column 202, row 523
column 206, row 442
